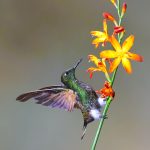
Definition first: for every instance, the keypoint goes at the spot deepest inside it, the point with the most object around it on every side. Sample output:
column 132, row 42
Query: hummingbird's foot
column 105, row 99
column 104, row 117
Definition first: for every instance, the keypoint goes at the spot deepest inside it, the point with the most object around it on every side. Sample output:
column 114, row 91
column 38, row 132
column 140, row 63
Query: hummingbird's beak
column 79, row 61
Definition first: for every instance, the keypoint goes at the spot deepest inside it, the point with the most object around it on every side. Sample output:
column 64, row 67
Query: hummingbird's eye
column 66, row 74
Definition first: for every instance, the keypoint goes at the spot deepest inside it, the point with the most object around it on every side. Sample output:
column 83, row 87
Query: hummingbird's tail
column 84, row 130
column 87, row 119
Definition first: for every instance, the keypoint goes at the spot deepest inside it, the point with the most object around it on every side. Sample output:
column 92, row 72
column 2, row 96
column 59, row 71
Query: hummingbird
column 72, row 94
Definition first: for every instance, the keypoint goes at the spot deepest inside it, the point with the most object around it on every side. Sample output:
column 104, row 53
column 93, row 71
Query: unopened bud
column 114, row 2
column 124, row 8
column 108, row 16
column 118, row 29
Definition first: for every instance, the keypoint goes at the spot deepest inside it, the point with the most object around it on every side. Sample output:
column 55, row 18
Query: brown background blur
column 39, row 39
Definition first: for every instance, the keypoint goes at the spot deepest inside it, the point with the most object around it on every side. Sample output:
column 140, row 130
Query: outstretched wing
column 54, row 96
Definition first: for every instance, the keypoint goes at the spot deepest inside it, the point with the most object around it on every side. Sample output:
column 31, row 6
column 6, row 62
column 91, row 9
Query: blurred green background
column 39, row 39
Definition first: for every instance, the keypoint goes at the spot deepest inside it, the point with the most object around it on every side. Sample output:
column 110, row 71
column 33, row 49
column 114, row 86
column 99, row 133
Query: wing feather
column 54, row 96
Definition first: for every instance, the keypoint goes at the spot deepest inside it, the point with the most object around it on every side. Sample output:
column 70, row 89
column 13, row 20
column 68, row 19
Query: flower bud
column 118, row 29
column 124, row 8
column 108, row 16
column 114, row 2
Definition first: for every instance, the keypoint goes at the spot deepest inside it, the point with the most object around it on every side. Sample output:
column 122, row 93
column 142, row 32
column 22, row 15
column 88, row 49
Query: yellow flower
column 101, row 37
column 100, row 66
column 121, row 53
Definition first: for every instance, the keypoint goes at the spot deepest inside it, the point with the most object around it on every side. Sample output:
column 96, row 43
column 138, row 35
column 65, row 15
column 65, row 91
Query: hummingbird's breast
column 87, row 96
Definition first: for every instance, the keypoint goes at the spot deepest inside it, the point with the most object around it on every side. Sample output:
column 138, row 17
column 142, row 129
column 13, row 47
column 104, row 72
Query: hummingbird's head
column 69, row 74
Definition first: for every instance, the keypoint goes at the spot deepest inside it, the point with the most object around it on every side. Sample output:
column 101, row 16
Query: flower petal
column 108, row 54
column 97, row 41
column 128, row 43
column 115, row 44
column 135, row 57
column 92, row 69
column 106, row 91
column 105, row 26
column 94, row 59
column 97, row 33
column 115, row 64
column 127, row 65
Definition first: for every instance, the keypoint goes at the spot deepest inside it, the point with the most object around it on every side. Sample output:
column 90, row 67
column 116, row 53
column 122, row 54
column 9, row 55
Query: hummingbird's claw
column 105, row 117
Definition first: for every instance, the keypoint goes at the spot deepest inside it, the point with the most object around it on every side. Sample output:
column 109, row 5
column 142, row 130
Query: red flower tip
column 90, row 73
column 108, row 16
column 124, row 8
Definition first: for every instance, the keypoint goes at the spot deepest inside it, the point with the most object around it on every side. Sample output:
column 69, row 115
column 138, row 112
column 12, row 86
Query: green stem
column 108, row 102
column 109, row 99
column 100, row 124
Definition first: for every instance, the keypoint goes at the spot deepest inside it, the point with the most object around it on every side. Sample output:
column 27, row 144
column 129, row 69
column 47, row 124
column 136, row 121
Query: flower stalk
column 109, row 99
column 119, row 54
column 108, row 102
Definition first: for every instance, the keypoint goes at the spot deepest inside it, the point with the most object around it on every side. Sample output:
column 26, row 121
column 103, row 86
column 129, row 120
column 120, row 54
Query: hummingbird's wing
column 54, row 96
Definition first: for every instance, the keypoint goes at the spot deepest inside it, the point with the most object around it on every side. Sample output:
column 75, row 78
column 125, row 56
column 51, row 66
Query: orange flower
column 100, row 66
column 101, row 37
column 106, row 91
column 121, row 53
